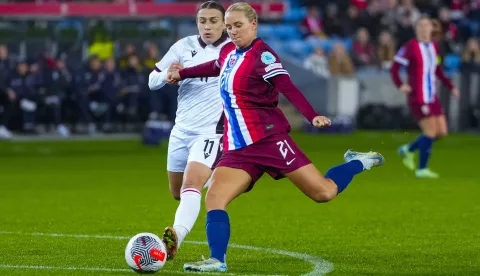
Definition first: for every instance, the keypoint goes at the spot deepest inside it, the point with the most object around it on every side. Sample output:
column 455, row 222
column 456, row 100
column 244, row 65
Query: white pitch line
column 320, row 266
column 42, row 267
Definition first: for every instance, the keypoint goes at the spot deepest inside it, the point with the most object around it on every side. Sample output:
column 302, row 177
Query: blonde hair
column 249, row 12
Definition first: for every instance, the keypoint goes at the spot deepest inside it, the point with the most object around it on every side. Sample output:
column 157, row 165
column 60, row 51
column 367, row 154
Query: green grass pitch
column 386, row 223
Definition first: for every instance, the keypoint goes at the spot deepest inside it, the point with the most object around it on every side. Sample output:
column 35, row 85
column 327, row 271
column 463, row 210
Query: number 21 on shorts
column 284, row 148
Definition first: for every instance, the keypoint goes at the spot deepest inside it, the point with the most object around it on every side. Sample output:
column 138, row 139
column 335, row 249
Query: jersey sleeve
column 403, row 55
column 268, row 64
column 157, row 78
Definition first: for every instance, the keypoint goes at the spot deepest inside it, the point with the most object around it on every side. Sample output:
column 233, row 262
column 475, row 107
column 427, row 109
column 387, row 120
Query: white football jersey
column 200, row 108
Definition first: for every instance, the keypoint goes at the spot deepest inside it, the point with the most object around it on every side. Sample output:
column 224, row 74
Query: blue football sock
column 343, row 174
column 218, row 233
column 425, row 148
column 415, row 144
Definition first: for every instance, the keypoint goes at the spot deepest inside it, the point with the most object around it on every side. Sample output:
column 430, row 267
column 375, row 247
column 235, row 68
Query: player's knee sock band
column 343, row 174
column 218, row 233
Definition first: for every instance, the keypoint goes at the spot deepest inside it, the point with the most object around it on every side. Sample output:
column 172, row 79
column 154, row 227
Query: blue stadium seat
column 348, row 42
column 276, row 45
column 265, row 31
column 299, row 48
column 452, row 62
column 474, row 27
column 325, row 44
column 286, row 31
column 295, row 15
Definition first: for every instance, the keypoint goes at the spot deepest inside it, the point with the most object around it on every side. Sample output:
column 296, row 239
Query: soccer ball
column 146, row 253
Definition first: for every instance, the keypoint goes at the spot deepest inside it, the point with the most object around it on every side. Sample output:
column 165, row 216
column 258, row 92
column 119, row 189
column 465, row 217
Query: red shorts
column 420, row 111
column 276, row 155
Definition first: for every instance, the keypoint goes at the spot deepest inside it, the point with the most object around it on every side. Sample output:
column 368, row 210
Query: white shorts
column 185, row 147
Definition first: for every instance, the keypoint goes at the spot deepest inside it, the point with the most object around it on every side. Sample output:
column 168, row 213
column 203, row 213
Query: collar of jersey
column 216, row 43
column 241, row 51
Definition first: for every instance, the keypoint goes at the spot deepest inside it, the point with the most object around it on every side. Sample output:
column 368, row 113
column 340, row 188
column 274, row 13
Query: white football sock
column 187, row 212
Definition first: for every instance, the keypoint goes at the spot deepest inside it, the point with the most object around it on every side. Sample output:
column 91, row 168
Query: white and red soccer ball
column 146, row 253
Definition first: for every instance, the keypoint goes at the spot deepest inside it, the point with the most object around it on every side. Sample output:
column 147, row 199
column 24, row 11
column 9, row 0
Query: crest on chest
column 233, row 59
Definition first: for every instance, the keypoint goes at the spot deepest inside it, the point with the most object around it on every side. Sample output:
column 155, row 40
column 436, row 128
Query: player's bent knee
column 214, row 202
column 323, row 196
column 442, row 134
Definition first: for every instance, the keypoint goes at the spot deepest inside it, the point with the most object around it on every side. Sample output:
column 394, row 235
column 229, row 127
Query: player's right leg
column 176, row 162
column 424, row 144
column 227, row 184
column 203, row 153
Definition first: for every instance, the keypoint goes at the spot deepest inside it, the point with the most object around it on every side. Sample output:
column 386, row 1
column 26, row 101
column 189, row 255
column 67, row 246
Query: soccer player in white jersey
column 194, row 144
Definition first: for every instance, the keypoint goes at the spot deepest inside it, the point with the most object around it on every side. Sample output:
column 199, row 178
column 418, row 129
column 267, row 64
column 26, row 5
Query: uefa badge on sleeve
column 268, row 58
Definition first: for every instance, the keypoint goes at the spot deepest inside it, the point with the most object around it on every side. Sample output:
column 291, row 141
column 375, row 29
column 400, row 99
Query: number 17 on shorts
column 206, row 150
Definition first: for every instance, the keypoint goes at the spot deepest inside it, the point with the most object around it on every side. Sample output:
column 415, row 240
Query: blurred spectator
column 438, row 35
column 134, row 79
column 473, row 10
column 471, row 56
column 6, row 62
column 407, row 16
column 317, row 62
column 371, row 16
column 102, row 47
column 339, row 63
column 333, row 24
column 89, row 92
column 152, row 57
column 7, row 98
column 449, row 30
column 386, row 50
column 111, row 87
column 311, row 24
column 363, row 52
column 58, row 81
column 389, row 20
column 459, row 7
column 352, row 21
column 21, row 85
column 129, row 51
column 360, row 4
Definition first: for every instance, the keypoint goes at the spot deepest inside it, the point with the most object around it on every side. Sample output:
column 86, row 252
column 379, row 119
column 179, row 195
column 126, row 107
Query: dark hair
column 213, row 5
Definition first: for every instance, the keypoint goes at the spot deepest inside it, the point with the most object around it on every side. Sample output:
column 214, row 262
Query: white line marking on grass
column 320, row 266
column 43, row 267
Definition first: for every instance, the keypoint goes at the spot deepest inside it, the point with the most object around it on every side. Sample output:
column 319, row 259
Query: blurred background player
column 420, row 57
column 194, row 144
column 256, row 139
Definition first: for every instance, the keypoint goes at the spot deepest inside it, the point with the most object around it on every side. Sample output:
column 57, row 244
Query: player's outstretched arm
column 285, row 85
column 207, row 69
column 158, row 77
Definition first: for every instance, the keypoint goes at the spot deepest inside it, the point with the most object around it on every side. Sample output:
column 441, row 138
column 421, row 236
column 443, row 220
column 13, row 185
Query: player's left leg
column 442, row 126
column 203, row 153
column 324, row 188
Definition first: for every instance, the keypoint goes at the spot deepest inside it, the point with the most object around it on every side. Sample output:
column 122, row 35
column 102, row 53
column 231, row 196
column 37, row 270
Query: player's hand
column 405, row 88
column 176, row 65
column 456, row 93
column 173, row 75
column 321, row 121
